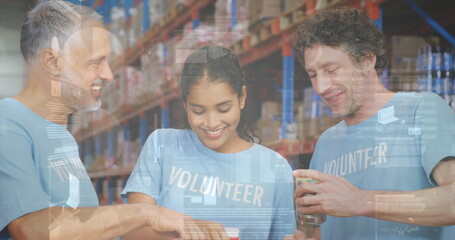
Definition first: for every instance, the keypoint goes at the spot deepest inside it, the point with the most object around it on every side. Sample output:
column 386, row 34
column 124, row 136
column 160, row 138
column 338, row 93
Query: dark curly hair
column 217, row 64
column 344, row 27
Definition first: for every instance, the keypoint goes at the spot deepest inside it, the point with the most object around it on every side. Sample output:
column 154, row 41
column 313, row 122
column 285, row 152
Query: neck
column 373, row 102
column 234, row 145
column 37, row 96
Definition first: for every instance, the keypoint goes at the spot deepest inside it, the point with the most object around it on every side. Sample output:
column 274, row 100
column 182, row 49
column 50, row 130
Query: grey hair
column 55, row 18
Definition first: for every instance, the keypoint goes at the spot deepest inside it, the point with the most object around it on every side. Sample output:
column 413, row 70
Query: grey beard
column 78, row 98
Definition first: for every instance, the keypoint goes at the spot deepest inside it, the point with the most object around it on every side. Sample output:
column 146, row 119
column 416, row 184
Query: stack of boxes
column 262, row 10
column 152, row 63
column 191, row 40
column 268, row 127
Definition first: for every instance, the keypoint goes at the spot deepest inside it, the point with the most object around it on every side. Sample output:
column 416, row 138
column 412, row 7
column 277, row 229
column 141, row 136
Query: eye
column 311, row 75
column 332, row 69
column 224, row 110
column 97, row 61
column 198, row 112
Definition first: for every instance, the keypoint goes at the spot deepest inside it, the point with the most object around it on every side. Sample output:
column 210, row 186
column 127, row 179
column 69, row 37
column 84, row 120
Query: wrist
column 367, row 205
column 147, row 213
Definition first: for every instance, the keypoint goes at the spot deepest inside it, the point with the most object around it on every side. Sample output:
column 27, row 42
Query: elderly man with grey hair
column 45, row 191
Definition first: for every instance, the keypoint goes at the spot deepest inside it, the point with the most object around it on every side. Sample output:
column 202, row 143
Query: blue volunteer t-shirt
column 39, row 166
column 251, row 190
column 395, row 150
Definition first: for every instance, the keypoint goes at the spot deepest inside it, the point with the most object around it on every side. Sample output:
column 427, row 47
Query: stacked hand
column 299, row 235
column 333, row 196
column 175, row 225
column 202, row 229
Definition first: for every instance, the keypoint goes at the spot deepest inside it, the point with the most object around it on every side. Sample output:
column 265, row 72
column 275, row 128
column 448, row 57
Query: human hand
column 202, row 229
column 335, row 196
column 299, row 235
column 175, row 225
column 168, row 223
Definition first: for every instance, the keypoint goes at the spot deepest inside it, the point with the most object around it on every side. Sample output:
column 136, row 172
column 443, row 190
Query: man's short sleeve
column 437, row 123
column 20, row 186
column 146, row 176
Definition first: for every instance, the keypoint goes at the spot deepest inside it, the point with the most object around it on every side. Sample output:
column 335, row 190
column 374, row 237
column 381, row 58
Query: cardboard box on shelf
column 134, row 28
column 260, row 10
column 133, row 85
column 170, row 62
column 156, row 11
column 152, row 65
column 227, row 34
column 303, row 129
column 299, row 108
column 271, row 111
column 269, row 132
column 288, row 5
column 191, row 40
column 117, row 26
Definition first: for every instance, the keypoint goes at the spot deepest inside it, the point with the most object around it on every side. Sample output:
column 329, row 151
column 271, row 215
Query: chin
column 212, row 144
column 93, row 106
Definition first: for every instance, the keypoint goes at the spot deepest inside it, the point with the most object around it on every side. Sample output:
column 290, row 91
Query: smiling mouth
column 333, row 98
column 95, row 89
column 214, row 134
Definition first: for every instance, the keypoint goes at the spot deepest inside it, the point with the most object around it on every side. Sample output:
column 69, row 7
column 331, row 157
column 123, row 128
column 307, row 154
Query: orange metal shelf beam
column 155, row 102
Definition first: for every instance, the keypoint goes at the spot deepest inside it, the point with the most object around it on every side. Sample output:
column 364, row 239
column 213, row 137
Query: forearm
column 430, row 207
column 83, row 223
column 147, row 234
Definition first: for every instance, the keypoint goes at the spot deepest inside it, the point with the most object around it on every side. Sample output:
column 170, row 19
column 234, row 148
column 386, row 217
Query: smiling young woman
column 213, row 170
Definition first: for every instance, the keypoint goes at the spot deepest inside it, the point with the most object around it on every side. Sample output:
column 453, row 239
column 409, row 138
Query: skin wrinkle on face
column 214, row 106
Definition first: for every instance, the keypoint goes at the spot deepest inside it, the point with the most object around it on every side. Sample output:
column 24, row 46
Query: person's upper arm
column 437, row 142
column 135, row 197
column 21, row 191
column 284, row 216
column 444, row 172
column 147, row 174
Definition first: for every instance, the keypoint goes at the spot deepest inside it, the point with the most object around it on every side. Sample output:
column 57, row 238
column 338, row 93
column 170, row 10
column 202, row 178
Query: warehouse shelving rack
column 268, row 38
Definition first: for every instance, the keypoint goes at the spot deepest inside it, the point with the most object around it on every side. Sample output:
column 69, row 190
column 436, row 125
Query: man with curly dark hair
column 387, row 171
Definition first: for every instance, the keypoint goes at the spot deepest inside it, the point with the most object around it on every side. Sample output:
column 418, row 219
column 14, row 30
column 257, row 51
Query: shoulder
column 432, row 98
column 263, row 150
column 267, row 154
column 427, row 103
column 6, row 109
column 10, row 120
column 170, row 135
column 334, row 130
column 418, row 98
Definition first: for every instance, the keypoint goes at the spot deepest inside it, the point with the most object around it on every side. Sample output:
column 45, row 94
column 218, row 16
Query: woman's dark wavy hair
column 344, row 27
column 217, row 64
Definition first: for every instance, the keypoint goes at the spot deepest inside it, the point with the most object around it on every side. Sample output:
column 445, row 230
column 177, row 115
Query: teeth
column 215, row 132
column 96, row 88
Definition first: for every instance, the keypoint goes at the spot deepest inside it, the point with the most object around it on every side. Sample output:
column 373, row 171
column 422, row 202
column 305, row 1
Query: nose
column 106, row 72
column 322, row 83
column 212, row 120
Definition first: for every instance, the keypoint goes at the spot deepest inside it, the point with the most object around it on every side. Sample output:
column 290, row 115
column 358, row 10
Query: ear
column 370, row 62
column 243, row 97
column 184, row 105
column 51, row 62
